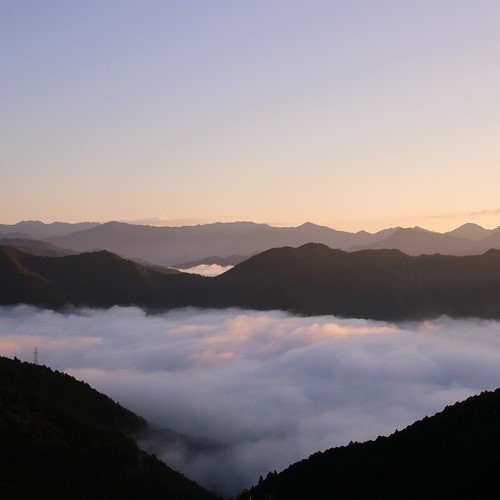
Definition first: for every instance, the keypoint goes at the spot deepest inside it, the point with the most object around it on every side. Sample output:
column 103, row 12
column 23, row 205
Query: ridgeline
column 310, row 280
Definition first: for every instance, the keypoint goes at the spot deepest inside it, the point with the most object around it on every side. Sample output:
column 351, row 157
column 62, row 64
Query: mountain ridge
column 311, row 280
column 169, row 246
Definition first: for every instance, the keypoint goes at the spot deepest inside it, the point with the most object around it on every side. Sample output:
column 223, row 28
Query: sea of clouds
column 259, row 390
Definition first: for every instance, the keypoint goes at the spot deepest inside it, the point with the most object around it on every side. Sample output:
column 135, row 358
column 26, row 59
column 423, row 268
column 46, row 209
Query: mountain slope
column 417, row 242
column 98, row 279
column 35, row 247
column 20, row 284
column 62, row 439
column 312, row 279
column 453, row 454
column 378, row 284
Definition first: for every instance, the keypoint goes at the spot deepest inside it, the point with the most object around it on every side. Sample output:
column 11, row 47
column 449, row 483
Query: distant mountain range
column 453, row 454
column 312, row 279
column 213, row 243
column 42, row 231
column 35, row 247
column 419, row 242
column 173, row 245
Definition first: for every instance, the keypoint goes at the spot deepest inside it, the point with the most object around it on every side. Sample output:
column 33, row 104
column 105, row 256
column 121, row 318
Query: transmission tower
column 35, row 354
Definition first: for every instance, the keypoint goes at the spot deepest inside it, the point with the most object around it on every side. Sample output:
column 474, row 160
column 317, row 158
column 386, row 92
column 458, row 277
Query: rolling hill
column 312, row 280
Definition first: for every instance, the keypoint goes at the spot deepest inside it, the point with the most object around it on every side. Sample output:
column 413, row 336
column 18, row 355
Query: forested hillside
column 62, row 439
column 312, row 280
column 453, row 454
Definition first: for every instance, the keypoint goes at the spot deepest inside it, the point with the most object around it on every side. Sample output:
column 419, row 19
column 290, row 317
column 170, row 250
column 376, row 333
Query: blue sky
column 352, row 114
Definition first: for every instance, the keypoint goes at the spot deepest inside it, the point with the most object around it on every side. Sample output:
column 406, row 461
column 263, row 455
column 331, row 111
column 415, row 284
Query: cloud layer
column 210, row 270
column 258, row 390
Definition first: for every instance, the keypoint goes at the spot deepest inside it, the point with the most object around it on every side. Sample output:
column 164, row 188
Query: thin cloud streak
column 164, row 221
column 465, row 214
column 260, row 390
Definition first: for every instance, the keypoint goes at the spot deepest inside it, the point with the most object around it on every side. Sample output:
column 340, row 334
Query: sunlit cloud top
column 260, row 389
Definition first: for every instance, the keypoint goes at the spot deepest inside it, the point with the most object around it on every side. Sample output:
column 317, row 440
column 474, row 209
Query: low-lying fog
column 210, row 270
column 260, row 389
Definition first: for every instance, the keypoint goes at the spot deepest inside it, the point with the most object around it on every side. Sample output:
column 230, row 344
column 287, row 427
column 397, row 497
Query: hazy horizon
column 164, row 222
column 354, row 115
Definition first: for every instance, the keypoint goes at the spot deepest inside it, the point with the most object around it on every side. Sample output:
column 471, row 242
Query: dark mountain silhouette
column 384, row 284
column 171, row 245
column 99, row 279
column 453, row 454
column 62, row 439
column 36, row 247
column 40, row 230
column 312, row 279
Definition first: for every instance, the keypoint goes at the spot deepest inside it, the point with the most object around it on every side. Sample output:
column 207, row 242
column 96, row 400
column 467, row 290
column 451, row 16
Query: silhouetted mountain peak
column 306, row 225
column 470, row 225
column 470, row 231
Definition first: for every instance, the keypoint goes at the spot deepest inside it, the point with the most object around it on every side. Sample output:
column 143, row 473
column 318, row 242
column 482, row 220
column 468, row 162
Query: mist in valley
column 246, row 391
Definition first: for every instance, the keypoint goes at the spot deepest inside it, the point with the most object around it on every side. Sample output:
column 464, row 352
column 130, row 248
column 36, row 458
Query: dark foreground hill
column 454, row 454
column 312, row 280
column 378, row 284
column 62, row 439
column 98, row 279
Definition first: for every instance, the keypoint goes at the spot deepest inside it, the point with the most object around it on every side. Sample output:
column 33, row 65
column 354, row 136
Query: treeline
column 310, row 280
column 453, row 454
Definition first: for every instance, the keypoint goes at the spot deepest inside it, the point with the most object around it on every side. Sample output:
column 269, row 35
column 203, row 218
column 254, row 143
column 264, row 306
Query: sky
column 351, row 114
column 260, row 390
